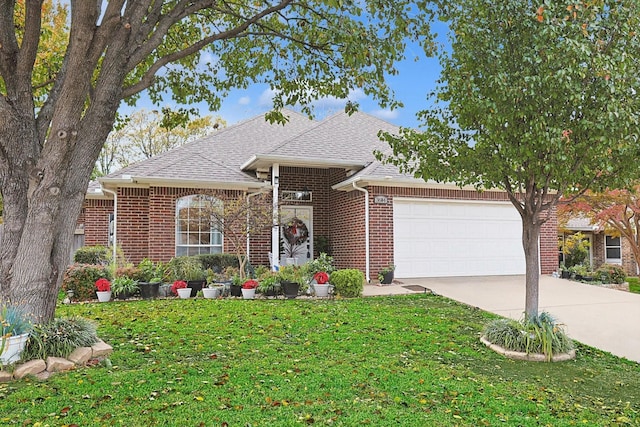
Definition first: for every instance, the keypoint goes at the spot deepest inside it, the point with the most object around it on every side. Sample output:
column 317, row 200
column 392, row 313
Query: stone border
column 43, row 369
column 529, row 357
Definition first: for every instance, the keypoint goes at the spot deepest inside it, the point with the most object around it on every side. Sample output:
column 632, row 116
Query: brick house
column 323, row 174
column 604, row 247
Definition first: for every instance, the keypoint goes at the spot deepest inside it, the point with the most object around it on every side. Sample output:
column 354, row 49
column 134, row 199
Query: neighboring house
column 604, row 248
column 323, row 173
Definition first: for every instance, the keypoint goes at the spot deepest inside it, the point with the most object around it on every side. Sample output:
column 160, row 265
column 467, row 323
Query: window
column 195, row 233
column 613, row 250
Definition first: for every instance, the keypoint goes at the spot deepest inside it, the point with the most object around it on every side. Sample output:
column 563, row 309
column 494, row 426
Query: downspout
column 275, row 229
column 366, row 230
column 115, row 222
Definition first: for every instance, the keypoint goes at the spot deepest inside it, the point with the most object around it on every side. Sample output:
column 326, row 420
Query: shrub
column 97, row 255
column 81, row 279
column 59, row 338
column 348, row 283
column 610, row 273
column 184, row 268
column 540, row 334
column 218, row 262
column 576, row 250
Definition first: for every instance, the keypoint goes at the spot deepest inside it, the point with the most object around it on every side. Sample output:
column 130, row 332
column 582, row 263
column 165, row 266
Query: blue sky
column 414, row 80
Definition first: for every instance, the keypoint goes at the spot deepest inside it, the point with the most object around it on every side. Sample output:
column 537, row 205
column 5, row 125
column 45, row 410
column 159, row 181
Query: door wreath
column 295, row 232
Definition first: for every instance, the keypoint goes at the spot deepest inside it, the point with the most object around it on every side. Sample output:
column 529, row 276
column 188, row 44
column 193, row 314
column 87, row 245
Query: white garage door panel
column 448, row 238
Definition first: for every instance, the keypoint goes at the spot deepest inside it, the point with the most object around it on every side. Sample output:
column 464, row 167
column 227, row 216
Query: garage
column 439, row 238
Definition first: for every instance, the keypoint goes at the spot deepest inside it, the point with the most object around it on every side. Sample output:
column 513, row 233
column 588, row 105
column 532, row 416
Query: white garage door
column 450, row 238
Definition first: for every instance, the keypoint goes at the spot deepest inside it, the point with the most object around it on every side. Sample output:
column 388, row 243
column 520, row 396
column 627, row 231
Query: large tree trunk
column 530, row 238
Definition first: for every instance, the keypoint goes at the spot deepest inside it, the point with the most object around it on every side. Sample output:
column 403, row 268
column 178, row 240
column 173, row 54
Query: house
column 324, row 175
column 604, row 247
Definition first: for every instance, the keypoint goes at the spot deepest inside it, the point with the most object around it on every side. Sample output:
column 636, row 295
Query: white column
column 275, row 229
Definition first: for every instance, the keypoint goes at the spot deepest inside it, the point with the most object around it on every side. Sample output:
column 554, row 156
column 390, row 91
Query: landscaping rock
column 57, row 364
column 101, row 349
column 5, row 376
column 32, row 367
column 43, row 376
column 530, row 357
column 81, row 355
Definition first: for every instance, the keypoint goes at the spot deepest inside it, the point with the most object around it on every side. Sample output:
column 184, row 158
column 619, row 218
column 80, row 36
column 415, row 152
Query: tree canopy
column 55, row 116
column 535, row 99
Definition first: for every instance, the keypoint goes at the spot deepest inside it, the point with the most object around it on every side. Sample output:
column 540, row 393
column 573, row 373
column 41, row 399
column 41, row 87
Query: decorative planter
column 211, row 293
column 103, row 296
column 248, row 293
column 290, row 289
column 289, row 261
column 322, row 291
column 387, row 278
column 273, row 291
column 195, row 286
column 236, row 291
column 12, row 348
column 149, row 290
column 565, row 274
column 184, row 293
column 123, row 295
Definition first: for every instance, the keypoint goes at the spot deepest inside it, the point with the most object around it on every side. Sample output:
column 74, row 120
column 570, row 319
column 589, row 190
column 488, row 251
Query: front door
column 296, row 234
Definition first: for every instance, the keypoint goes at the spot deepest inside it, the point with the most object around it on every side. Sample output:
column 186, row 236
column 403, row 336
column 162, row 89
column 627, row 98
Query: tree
column 617, row 211
column 53, row 125
column 145, row 134
column 238, row 219
column 534, row 99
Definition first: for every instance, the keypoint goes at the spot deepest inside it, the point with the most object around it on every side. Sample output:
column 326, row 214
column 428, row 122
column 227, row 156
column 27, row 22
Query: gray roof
column 229, row 155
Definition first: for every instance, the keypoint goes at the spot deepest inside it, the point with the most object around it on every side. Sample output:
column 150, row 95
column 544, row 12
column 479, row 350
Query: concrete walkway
column 604, row 318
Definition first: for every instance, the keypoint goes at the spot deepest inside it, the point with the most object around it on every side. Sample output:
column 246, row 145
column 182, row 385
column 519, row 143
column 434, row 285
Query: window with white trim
column 612, row 250
column 195, row 232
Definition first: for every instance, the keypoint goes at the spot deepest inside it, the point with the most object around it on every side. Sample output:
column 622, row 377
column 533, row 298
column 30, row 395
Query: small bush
column 59, row 338
column 348, row 283
column 610, row 273
column 540, row 334
column 81, row 278
column 218, row 262
column 96, row 255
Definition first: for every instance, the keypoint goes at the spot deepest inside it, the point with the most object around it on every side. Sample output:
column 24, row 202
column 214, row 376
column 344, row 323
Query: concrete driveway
column 604, row 318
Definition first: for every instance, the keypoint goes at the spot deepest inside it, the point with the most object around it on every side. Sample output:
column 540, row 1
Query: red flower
column 321, row 277
column 178, row 284
column 103, row 285
column 250, row 284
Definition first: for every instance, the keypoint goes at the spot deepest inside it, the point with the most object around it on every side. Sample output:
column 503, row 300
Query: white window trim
column 212, row 230
column 617, row 261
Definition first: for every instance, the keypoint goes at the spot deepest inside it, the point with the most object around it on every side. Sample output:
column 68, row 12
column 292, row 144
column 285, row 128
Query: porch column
column 275, row 229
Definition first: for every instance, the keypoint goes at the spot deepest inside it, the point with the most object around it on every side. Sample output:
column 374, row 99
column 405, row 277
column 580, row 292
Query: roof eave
column 389, row 181
column 264, row 161
column 145, row 182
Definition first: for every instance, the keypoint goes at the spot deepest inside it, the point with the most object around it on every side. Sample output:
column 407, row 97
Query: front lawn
column 634, row 284
column 406, row 361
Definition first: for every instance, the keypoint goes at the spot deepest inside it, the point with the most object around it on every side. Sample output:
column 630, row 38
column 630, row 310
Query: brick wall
column 94, row 218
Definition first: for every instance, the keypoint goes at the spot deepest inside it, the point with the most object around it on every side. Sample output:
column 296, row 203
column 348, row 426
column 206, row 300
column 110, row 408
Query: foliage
column 13, row 321
column 250, row 284
column 103, row 285
column 610, row 273
column 291, row 273
column 615, row 211
column 60, row 337
column 148, row 271
column 59, row 95
column 267, row 284
column 124, row 285
column 384, row 271
column 81, row 279
column 184, row 268
column 540, row 334
column 218, row 262
column 145, row 134
column 401, row 360
column 324, row 263
column 528, row 103
column 576, row 250
column 348, row 283
column 178, row 284
column 634, row 284
column 98, row 255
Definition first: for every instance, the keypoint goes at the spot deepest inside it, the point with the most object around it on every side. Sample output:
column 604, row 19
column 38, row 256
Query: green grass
column 404, row 361
column 634, row 284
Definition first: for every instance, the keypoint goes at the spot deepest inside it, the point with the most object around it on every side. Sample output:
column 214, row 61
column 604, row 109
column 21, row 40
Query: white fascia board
column 144, row 182
column 266, row 161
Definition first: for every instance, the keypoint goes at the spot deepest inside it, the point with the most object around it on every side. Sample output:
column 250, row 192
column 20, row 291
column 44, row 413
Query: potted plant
column 103, row 290
column 149, row 279
column 14, row 328
column 235, row 290
column 290, row 278
column 249, row 289
column 385, row 276
column 321, row 284
column 214, row 288
column 180, row 289
column 124, row 287
column 269, row 285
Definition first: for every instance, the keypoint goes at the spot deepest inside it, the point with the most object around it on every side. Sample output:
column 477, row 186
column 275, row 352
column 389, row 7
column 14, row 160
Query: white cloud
column 245, row 100
column 266, row 98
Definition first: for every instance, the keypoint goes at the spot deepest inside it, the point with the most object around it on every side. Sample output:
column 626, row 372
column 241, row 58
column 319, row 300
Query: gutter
column 366, row 230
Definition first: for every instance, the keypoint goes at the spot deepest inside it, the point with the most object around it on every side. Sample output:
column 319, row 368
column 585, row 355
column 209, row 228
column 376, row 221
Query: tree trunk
column 530, row 237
